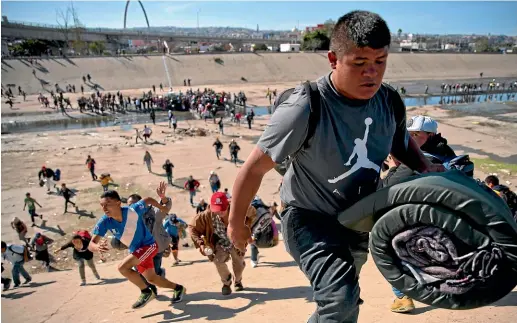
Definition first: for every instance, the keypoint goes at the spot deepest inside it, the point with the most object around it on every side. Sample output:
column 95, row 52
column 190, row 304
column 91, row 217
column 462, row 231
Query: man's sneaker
column 33, row 225
column 177, row 295
column 253, row 263
column 83, row 283
column 239, row 287
column 162, row 272
column 402, row 305
column 7, row 284
column 27, row 281
column 175, row 263
column 226, row 290
column 144, row 299
column 154, row 289
column 16, row 285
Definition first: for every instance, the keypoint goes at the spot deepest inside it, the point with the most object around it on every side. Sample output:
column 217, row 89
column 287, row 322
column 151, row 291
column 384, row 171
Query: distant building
column 317, row 27
column 295, row 48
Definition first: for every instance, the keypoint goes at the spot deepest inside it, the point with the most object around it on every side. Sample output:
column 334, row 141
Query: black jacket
column 84, row 253
column 47, row 173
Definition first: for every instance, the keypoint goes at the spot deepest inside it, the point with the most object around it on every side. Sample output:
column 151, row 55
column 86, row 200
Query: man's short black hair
column 135, row 197
column 492, row 180
column 111, row 194
column 360, row 29
column 4, row 245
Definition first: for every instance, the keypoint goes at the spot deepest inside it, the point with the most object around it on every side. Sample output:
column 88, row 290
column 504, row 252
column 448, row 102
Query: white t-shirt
column 147, row 131
column 13, row 253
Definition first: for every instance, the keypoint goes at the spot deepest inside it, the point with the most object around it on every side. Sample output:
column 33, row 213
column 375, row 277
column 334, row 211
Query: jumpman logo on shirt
column 361, row 152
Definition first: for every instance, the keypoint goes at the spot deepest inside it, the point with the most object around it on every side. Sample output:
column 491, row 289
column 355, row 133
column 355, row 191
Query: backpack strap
column 311, row 88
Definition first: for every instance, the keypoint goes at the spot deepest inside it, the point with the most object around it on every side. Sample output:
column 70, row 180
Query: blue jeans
column 397, row 293
column 192, row 194
column 331, row 257
column 254, row 252
column 17, row 270
column 214, row 188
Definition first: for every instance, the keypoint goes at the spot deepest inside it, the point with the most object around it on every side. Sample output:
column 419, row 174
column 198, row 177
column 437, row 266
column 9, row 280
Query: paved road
column 418, row 86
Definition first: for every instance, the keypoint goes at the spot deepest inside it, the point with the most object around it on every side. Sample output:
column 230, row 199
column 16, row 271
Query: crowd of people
column 226, row 227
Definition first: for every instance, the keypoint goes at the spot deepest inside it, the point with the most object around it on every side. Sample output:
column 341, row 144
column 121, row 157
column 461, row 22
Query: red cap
column 219, row 202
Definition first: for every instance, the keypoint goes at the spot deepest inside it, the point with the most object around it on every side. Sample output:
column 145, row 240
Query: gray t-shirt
column 351, row 140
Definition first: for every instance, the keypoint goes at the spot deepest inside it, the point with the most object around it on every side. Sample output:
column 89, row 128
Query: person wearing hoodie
column 424, row 131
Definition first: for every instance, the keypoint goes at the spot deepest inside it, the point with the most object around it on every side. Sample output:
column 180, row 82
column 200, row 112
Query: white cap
column 422, row 123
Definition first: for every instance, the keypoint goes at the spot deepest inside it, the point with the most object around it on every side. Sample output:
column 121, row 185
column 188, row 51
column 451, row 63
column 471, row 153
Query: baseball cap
column 422, row 123
column 219, row 202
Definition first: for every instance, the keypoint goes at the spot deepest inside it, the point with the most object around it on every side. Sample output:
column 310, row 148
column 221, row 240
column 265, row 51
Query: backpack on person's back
column 25, row 254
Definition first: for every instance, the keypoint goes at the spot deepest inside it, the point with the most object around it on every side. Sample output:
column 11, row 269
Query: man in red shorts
column 127, row 225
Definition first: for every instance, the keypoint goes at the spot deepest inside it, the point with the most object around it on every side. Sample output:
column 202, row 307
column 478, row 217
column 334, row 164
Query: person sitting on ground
column 17, row 255
column 30, row 203
column 141, row 244
column 175, row 227
column 80, row 241
column 504, row 192
column 208, row 232
column 20, row 228
column 39, row 244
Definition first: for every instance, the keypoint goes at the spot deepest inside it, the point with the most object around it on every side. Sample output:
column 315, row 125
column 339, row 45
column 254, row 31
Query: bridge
column 22, row 30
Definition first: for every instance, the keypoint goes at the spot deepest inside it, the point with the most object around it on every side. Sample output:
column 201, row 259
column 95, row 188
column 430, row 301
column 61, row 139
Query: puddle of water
column 460, row 99
column 440, row 100
column 126, row 123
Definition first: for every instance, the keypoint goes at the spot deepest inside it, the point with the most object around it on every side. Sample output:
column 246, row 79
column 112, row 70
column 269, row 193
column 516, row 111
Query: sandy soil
column 269, row 287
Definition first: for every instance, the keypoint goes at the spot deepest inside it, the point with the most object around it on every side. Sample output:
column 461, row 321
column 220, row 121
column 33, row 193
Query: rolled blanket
column 443, row 239
column 429, row 250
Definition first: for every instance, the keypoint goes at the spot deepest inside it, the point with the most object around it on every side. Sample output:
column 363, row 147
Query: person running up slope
column 127, row 225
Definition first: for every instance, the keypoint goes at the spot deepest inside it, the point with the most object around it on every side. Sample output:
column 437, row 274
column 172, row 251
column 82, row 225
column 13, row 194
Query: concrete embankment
column 114, row 73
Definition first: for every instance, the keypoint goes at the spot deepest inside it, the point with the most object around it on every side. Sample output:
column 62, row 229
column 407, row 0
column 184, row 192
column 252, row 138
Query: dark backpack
column 261, row 225
column 311, row 88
